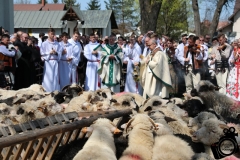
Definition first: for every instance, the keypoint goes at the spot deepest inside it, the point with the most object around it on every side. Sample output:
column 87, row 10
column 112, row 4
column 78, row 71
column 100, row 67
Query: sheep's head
column 105, row 93
column 4, row 109
column 102, row 123
column 198, row 120
column 204, row 86
column 157, row 115
column 193, row 106
column 153, row 103
column 73, row 89
column 178, row 111
column 210, row 132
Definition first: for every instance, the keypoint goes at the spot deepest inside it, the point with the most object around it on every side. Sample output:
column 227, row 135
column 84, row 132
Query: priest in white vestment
column 93, row 57
column 65, row 66
column 75, row 57
column 156, row 76
column 51, row 53
column 110, row 67
column 132, row 58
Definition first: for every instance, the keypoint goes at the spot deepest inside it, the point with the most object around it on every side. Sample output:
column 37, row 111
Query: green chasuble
column 110, row 69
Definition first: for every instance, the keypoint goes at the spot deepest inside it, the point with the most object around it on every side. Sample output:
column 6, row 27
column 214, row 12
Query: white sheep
column 100, row 145
column 141, row 139
column 153, row 103
column 168, row 147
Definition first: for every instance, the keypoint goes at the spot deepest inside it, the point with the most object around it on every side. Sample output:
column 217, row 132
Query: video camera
column 227, row 145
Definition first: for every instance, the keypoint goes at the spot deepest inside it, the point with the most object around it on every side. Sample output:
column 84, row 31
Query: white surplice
column 91, row 81
column 131, row 56
column 50, row 74
column 77, row 48
column 65, row 67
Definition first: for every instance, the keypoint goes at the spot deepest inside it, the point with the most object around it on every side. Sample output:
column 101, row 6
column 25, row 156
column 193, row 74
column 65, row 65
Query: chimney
column 43, row 3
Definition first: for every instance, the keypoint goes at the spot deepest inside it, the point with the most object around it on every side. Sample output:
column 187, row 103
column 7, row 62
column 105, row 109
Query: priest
column 156, row 78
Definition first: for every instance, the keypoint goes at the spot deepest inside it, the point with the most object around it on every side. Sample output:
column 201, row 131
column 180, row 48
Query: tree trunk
column 149, row 14
column 197, row 21
column 216, row 17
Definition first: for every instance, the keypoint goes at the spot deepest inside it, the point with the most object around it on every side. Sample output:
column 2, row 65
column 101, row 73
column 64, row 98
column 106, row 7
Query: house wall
column 6, row 15
column 107, row 31
column 70, row 27
column 236, row 24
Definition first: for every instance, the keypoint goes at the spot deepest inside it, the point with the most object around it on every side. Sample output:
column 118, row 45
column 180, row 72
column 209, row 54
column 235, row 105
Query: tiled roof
column 54, row 7
column 236, row 9
column 37, row 19
column 27, row 7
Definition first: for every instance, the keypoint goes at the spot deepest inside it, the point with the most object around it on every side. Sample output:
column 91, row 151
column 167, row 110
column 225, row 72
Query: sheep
column 123, row 102
column 171, row 147
column 83, row 103
column 177, row 101
column 153, row 103
column 202, row 156
column 210, row 132
column 141, row 139
column 100, row 145
column 178, row 126
column 139, row 99
column 220, row 103
column 197, row 121
column 193, row 106
column 73, row 89
column 105, row 93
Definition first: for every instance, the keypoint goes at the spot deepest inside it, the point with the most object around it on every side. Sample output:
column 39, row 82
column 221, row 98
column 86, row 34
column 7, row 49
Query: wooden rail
column 40, row 138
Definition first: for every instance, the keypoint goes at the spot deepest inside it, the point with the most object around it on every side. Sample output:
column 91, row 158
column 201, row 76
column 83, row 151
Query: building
column 232, row 29
column 6, row 15
column 36, row 18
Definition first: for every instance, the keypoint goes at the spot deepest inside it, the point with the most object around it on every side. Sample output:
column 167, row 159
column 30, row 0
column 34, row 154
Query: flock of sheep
column 158, row 129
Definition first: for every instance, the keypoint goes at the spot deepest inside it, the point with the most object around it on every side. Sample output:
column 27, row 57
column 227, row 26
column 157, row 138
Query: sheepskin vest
column 197, row 63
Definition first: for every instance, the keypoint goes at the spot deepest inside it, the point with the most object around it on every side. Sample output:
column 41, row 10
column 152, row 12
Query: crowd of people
column 147, row 64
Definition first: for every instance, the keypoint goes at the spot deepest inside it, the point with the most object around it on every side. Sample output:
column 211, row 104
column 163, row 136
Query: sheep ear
column 123, row 126
column 129, row 123
column 80, row 93
column 87, row 129
column 191, row 132
column 169, row 119
column 223, row 126
column 149, row 108
column 115, row 130
column 153, row 123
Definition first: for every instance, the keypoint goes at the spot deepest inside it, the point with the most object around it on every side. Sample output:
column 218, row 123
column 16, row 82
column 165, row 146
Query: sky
column 82, row 2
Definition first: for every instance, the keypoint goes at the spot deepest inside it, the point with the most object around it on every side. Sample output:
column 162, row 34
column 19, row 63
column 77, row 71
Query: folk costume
column 222, row 65
column 233, row 81
column 193, row 67
column 64, row 65
column 110, row 69
column 51, row 73
column 132, row 56
column 92, row 79
column 156, row 77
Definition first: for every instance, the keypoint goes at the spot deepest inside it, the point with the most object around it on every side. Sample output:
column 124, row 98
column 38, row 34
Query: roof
column 236, row 9
column 222, row 24
column 38, row 7
column 54, row 7
column 27, row 7
column 37, row 19
column 73, row 13
column 98, row 19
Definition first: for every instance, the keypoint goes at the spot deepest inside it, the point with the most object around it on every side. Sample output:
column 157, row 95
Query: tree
column 55, row 1
column 124, row 12
column 172, row 19
column 94, row 5
column 217, row 9
column 22, row 2
column 40, row 1
column 149, row 11
column 69, row 3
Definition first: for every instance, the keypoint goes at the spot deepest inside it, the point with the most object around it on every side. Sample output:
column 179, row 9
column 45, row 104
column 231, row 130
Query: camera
column 227, row 145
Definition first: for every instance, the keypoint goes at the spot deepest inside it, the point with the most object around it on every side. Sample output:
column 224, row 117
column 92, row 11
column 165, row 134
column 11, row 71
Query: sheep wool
column 168, row 147
column 141, row 139
column 100, row 145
